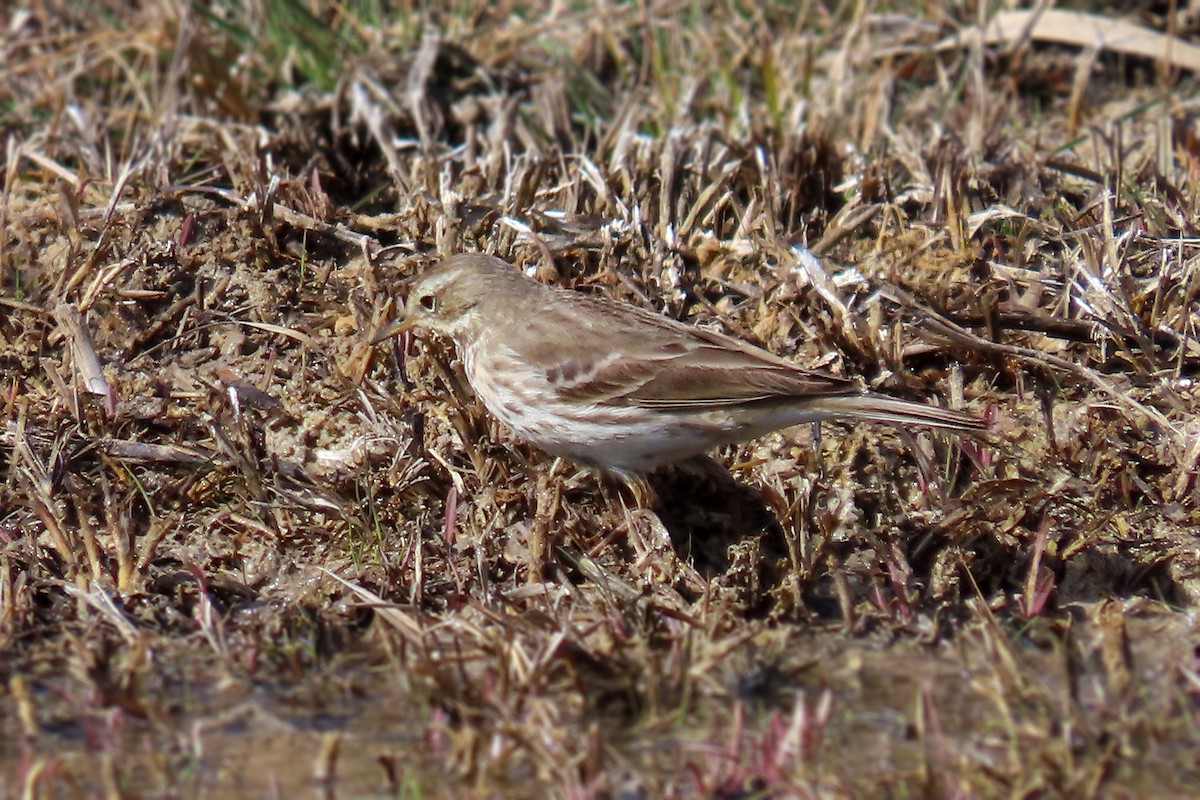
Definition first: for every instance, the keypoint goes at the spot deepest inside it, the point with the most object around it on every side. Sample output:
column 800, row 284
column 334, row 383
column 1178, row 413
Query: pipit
column 620, row 388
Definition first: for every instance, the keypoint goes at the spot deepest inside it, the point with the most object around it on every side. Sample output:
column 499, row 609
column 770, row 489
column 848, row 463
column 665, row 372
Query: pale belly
column 621, row 439
column 628, row 439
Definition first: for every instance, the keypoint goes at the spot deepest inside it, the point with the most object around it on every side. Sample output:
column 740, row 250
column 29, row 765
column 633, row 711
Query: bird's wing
column 653, row 362
column 721, row 371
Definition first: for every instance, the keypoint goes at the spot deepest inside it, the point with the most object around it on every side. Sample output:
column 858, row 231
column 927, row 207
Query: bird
column 619, row 388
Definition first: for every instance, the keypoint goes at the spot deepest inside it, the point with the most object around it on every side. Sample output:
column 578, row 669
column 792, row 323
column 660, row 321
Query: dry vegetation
column 243, row 552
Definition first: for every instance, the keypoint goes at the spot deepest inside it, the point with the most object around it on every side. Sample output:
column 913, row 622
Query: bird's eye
column 428, row 302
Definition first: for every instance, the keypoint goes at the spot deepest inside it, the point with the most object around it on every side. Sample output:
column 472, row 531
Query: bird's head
column 445, row 297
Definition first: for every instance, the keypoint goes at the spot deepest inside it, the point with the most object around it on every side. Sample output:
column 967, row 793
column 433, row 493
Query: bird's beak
column 393, row 328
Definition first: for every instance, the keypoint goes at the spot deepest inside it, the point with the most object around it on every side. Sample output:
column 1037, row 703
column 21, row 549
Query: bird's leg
column 547, row 501
column 611, row 485
column 656, row 557
column 816, row 446
column 644, row 496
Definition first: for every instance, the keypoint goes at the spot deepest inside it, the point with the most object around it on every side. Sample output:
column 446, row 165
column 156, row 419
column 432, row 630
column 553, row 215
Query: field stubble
column 242, row 550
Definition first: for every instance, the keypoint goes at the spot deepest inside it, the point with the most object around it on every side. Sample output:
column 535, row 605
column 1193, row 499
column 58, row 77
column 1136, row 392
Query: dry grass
column 242, row 551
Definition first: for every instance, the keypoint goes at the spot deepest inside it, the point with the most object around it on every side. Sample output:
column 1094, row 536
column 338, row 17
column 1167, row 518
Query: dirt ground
column 244, row 552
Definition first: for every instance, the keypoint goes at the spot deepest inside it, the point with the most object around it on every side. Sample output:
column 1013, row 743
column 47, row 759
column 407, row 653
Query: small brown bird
column 620, row 388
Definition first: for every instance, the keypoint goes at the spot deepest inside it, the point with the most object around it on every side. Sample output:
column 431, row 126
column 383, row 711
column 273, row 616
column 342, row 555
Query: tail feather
column 881, row 408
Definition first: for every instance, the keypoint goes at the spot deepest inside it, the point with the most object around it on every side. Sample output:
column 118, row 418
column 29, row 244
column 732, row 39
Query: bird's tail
column 881, row 408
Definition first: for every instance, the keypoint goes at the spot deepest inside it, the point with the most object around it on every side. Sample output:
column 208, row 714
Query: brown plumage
column 621, row 388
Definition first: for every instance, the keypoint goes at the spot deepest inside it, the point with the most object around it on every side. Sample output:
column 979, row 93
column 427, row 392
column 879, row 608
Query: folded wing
column 669, row 366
